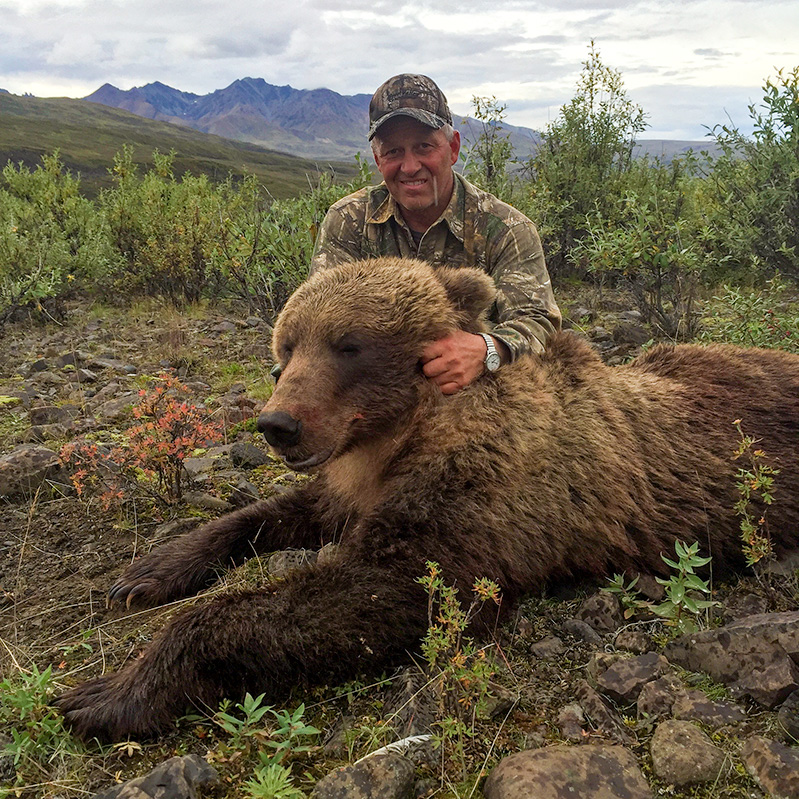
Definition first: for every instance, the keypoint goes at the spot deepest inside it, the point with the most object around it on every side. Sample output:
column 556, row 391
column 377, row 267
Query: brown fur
column 552, row 467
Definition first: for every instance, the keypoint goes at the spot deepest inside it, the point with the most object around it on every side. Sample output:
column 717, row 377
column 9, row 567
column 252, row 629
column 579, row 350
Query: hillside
column 88, row 135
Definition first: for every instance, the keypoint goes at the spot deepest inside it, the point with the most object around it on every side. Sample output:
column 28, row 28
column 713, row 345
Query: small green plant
column 247, row 726
column 459, row 669
column 275, row 745
column 285, row 739
column 38, row 736
column 272, row 781
column 755, row 481
column 627, row 594
column 682, row 607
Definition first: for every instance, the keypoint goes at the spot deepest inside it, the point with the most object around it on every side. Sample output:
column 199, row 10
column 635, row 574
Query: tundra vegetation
column 706, row 247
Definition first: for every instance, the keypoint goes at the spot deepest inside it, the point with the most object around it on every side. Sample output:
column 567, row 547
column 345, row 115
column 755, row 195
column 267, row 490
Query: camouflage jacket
column 476, row 229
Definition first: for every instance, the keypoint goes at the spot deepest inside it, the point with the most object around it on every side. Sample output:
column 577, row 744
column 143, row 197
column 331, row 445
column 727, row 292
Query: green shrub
column 581, row 164
column 768, row 317
column 52, row 243
column 755, row 186
column 263, row 250
column 649, row 243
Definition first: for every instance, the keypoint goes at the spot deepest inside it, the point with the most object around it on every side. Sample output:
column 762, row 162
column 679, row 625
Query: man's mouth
column 413, row 183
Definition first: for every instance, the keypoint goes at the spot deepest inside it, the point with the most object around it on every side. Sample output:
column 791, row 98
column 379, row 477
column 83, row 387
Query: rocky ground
column 583, row 701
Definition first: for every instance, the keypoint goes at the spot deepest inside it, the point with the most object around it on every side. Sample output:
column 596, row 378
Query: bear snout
column 281, row 430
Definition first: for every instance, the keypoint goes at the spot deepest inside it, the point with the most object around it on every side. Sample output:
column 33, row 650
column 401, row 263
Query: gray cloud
column 528, row 53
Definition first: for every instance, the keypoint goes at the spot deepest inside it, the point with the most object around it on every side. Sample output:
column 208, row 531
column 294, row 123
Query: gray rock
column 117, row 408
column 695, row 706
column 201, row 499
column 386, row 776
column 683, row 755
column 548, row 648
column 247, row 456
column 244, row 493
column 624, row 680
column 53, row 414
column 120, row 367
column 582, row 631
column 224, row 327
column 634, row 641
column 498, row 702
column 603, row 717
column 788, row 717
column 602, row 611
column 629, row 333
column 40, row 433
column 37, row 366
column 737, row 608
column 566, row 772
column 25, row 468
column 199, row 468
column 773, row 766
column 571, row 723
column 176, row 778
column 657, row 698
column 411, row 705
column 600, row 662
column 754, row 657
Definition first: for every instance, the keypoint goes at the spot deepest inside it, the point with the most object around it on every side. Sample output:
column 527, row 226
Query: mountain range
column 87, row 137
column 316, row 123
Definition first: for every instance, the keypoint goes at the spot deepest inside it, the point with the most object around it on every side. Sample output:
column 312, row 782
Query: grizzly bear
column 552, row 467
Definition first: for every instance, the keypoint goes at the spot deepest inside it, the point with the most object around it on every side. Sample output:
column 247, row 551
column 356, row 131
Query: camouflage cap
column 415, row 96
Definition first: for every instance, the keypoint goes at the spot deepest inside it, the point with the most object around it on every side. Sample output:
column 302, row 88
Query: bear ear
column 469, row 290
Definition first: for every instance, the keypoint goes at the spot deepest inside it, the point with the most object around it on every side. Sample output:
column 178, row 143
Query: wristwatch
column 492, row 360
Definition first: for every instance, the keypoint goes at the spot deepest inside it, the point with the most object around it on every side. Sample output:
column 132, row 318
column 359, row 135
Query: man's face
column 416, row 164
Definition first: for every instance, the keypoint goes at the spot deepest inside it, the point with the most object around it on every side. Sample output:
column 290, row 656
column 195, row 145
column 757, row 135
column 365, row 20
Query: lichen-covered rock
column 565, row 772
column 25, row 468
column 623, row 681
column 602, row 611
column 176, row 778
column 683, row 755
column 603, row 717
column 754, row 656
column 773, row 766
column 695, row 706
column 658, row 697
column 387, row 776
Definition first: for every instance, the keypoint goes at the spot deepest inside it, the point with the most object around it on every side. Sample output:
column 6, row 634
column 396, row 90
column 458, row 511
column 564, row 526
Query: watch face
column 493, row 361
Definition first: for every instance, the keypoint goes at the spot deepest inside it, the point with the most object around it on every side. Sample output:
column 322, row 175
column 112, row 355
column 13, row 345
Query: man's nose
column 410, row 164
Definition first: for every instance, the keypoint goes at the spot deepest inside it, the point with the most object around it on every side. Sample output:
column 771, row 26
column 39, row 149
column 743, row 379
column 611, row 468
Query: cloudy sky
column 689, row 63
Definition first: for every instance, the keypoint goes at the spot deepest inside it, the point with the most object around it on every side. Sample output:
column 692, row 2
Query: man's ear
column 469, row 290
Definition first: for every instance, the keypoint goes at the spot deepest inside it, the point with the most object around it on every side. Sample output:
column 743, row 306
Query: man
column 423, row 209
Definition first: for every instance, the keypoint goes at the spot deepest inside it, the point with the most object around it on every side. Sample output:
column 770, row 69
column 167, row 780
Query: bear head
column 348, row 343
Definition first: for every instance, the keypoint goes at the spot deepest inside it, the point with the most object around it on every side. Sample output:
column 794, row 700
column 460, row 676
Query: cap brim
column 419, row 114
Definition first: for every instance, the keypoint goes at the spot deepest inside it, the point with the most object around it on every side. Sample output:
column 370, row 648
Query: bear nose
column 280, row 429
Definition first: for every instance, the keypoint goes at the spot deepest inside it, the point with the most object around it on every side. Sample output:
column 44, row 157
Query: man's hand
column 455, row 361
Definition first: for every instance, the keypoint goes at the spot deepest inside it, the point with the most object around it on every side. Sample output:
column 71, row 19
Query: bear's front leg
column 188, row 564
column 321, row 626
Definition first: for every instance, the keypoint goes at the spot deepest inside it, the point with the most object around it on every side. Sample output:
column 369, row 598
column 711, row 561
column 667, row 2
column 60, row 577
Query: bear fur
column 553, row 467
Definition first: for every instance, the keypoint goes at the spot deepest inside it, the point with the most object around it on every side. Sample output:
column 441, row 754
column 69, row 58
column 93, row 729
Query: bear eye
column 347, row 347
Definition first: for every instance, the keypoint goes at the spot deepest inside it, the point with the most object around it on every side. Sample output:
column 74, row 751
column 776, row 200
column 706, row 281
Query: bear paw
column 149, row 581
column 109, row 710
